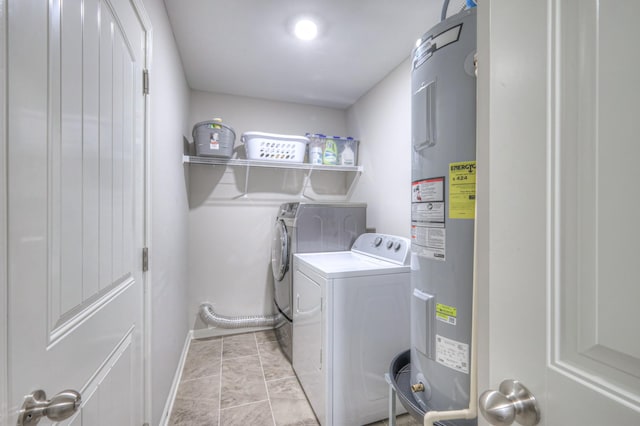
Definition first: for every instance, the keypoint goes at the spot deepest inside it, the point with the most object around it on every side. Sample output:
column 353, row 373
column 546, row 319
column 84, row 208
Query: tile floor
column 243, row 380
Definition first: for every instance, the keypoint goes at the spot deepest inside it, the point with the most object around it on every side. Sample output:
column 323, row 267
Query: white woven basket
column 273, row 147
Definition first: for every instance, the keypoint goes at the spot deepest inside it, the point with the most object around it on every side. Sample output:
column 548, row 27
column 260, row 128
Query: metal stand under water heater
column 442, row 214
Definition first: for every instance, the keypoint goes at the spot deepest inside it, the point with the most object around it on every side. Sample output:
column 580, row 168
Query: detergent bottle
column 330, row 155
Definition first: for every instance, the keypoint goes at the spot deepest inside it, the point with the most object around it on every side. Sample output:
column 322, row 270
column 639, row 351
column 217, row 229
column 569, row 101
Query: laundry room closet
column 230, row 210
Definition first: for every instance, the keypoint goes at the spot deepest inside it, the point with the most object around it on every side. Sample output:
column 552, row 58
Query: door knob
column 36, row 406
column 512, row 402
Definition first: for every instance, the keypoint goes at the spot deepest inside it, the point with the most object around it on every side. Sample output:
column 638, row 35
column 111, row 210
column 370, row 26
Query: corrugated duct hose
column 211, row 318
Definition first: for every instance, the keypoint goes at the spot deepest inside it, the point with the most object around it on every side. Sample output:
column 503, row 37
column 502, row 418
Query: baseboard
column 168, row 406
column 203, row 333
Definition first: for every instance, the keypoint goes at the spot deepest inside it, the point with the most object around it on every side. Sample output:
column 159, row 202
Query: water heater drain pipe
column 472, row 412
column 211, row 318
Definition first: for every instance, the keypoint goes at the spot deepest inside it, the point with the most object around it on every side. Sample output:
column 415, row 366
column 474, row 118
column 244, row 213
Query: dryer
column 303, row 227
column 350, row 318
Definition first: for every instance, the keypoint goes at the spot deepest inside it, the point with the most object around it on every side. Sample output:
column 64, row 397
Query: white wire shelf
column 213, row 161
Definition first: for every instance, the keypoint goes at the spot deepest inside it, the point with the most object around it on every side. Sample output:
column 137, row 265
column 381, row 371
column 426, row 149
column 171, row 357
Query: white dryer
column 351, row 317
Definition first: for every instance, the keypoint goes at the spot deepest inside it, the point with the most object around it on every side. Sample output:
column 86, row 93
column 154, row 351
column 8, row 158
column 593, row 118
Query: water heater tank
column 443, row 175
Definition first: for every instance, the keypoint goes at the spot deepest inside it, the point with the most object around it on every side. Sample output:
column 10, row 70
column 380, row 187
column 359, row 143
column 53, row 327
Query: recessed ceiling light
column 305, row 29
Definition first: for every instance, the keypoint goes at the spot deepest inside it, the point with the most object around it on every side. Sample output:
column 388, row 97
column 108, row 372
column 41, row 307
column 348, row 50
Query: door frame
column 4, row 223
column 146, row 275
column 4, row 400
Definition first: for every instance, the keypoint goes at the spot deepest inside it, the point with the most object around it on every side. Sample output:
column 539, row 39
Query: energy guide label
column 462, row 184
column 452, row 354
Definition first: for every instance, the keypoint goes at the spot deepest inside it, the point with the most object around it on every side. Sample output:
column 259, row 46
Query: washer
column 351, row 317
column 307, row 228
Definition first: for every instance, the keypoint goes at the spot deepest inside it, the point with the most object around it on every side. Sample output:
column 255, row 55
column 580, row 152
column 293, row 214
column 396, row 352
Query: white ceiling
column 244, row 47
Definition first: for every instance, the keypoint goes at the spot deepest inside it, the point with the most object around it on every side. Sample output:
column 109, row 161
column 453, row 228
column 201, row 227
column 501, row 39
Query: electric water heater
column 443, row 187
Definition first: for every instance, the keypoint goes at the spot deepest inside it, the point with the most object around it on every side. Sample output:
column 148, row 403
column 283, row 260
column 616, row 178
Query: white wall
column 169, row 105
column 230, row 235
column 382, row 121
column 4, row 382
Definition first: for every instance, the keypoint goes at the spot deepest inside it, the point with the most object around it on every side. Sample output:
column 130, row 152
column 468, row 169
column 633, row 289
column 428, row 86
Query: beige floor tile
column 239, row 345
column 188, row 412
column 274, row 363
column 202, row 388
column 255, row 414
column 203, row 359
column 210, row 348
column 242, row 382
column 289, row 404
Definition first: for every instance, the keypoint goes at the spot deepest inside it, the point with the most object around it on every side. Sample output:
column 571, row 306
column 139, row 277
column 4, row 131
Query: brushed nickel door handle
column 512, row 402
column 36, row 406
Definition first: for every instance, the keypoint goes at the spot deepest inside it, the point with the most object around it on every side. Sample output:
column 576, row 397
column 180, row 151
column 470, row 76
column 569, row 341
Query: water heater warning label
column 452, row 354
column 429, row 241
column 427, row 212
column 427, row 190
column 428, row 233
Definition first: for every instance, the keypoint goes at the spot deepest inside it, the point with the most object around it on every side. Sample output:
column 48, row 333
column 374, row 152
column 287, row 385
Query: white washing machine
column 351, row 317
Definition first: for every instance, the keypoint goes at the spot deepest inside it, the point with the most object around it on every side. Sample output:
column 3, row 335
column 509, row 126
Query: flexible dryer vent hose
column 211, row 318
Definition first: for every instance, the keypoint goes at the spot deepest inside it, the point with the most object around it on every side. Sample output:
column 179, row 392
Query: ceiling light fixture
column 305, row 29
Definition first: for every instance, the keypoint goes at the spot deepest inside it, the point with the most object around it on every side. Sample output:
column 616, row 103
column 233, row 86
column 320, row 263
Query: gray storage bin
column 213, row 139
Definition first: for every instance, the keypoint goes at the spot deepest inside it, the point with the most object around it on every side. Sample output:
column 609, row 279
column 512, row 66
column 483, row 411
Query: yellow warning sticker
column 446, row 313
column 446, row 310
column 462, row 190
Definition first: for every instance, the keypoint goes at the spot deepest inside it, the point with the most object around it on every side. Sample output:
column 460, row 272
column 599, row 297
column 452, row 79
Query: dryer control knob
column 377, row 241
column 389, row 245
column 397, row 247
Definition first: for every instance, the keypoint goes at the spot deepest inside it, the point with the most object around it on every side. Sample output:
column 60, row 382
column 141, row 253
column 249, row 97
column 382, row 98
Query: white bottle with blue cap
column 348, row 157
column 315, row 148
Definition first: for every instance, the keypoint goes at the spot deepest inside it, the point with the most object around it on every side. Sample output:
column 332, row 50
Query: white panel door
column 564, row 124
column 76, row 129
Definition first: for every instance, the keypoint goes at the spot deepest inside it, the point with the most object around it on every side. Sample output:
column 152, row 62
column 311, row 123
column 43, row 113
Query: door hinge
column 145, row 82
column 145, row 259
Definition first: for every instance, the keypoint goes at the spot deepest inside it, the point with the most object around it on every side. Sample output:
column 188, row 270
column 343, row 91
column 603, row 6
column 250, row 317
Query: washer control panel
column 385, row 247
